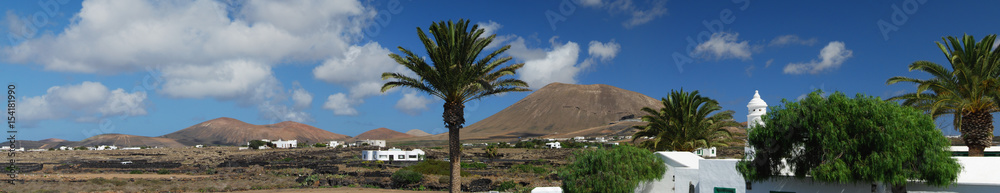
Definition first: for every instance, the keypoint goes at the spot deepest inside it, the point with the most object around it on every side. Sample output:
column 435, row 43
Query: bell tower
column 757, row 108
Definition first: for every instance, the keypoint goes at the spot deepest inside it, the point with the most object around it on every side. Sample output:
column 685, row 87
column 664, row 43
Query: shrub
column 319, row 145
column 620, row 169
column 135, row 172
column 505, row 185
column 474, row 165
column 433, row 167
column 405, row 177
column 309, row 181
column 525, row 168
column 163, row 171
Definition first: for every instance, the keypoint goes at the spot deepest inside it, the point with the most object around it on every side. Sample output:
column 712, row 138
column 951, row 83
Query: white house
column 65, row 148
column 394, row 154
column 335, row 143
column 553, row 145
column 370, row 142
column 285, row 144
column 706, row 152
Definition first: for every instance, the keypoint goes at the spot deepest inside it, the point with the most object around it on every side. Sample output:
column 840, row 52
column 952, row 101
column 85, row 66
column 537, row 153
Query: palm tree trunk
column 454, row 117
column 977, row 131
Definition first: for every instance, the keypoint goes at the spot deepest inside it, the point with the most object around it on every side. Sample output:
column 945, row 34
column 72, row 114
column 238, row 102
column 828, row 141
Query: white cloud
column 604, row 51
column 724, row 45
column 792, row 39
column 489, row 28
column 830, row 57
column 655, row 9
column 85, row 101
column 768, row 63
column 301, row 98
column 640, row 17
column 360, row 69
column 202, row 52
column 558, row 65
column 340, row 104
column 224, row 80
column 412, row 103
column 591, row 3
column 996, row 43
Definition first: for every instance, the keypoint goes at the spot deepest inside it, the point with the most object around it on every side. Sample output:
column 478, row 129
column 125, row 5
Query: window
column 413, row 156
column 402, row 156
column 382, row 157
column 725, row 190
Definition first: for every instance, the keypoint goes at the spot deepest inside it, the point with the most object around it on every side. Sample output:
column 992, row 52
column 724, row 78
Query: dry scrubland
column 214, row 169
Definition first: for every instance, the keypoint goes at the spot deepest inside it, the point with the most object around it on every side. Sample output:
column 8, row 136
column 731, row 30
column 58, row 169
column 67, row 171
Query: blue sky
column 151, row 68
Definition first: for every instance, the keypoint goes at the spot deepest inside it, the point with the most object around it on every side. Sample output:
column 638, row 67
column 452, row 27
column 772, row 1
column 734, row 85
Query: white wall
column 720, row 173
column 807, row 185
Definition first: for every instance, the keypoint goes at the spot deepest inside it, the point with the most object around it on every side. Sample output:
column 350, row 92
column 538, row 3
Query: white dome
column 756, row 102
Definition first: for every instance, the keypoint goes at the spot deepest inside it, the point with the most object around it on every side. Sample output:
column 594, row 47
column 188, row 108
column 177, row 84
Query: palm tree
column 968, row 91
column 684, row 123
column 456, row 75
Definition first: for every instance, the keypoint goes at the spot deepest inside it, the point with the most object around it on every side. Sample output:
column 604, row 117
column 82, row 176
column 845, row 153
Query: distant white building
column 579, row 138
column 553, row 145
column 706, row 152
column 335, row 143
column 370, row 142
column 394, row 154
column 199, row 146
column 285, row 144
column 65, row 148
column 131, row 148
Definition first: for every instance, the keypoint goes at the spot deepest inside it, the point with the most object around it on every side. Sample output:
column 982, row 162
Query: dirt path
column 338, row 190
column 107, row 176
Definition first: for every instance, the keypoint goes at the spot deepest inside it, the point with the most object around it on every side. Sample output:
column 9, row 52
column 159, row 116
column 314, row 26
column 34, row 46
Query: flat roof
column 966, row 148
column 680, row 158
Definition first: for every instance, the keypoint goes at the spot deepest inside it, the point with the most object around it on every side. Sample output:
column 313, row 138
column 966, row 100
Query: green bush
column 505, row 185
column 163, row 171
column 405, row 177
column 526, row 168
column 319, row 145
column 433, row 167
column 135, row 172
column 474, row 165
column 620, row 169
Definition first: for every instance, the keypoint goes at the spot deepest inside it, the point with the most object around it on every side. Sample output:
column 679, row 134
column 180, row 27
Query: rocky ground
column 229, row 169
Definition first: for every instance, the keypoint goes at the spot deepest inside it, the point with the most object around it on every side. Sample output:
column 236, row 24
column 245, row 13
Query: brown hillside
column 558, row 108
column 382, row 134
column 417, row 133
column 122, row 140
column 52, row 140
column 229, row 131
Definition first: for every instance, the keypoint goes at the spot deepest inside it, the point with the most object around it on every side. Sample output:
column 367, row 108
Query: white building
column 686, row 172
column 285, row 144
column 706, row 152
column 553, row 145
column 335, row 143
column 757, row 108
column 394, row 154
column 370, row 142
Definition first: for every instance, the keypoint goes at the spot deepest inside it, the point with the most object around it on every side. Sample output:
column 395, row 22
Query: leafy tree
column 684, row 123
column 319, row 145
column 457, row 75
column 969, row 91
column 619, row 169
column 843, row 140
